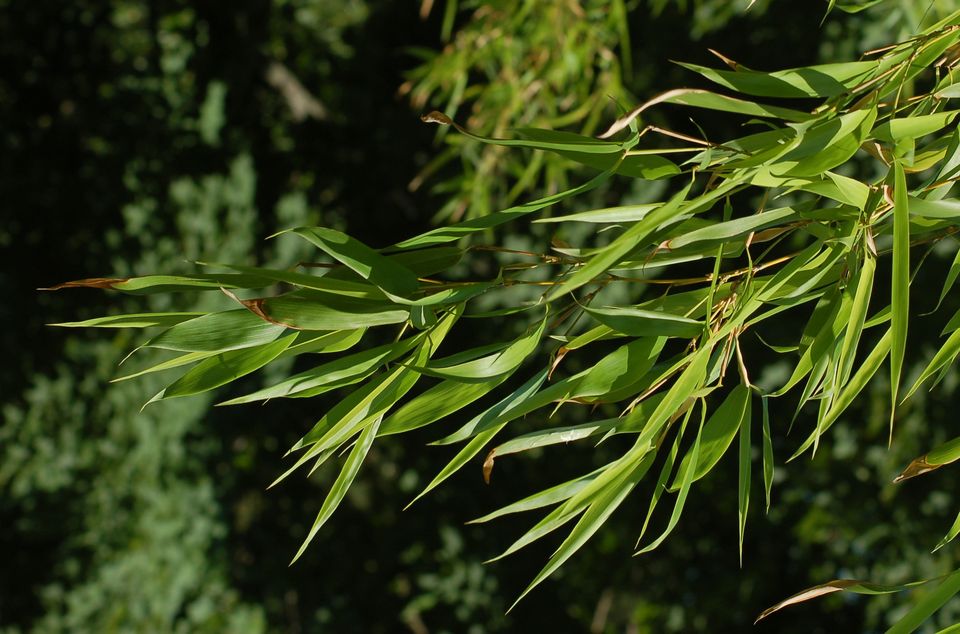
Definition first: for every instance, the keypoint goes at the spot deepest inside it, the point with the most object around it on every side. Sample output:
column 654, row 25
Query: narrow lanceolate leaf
column 623, row 244
column 217, row 332
column 169, row 283
column 744, row 480
column 544, row 498
column 343, row 482
column 629, row 213
column 637, row 322
column 137, row 320
column 951, row 534
column 768, row 465
column 466, row 453
column 945, row 357
column 310, row 310
column 344, row 371
column 900, row 296
column 950, row 280
column 369, row 264
column 929, row 603
column 225, row 367
column 717, row 434
column 838, row 585
column 595, row 516
column 661, row 486
column 944, row 454
column 687, row 481
column 858, row 315
column 857, row 382
column 826, row 80
column 442, row 235
column 497, row 364
column 437, row 402
column 710, row 101
column 535, row 138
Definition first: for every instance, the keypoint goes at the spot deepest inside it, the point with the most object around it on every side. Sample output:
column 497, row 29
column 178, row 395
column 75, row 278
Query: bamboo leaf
column 826, row 80
column 553, row 495
column 443, row 235
column 717, row 435
column 768, row 464
column 342, row 483
column 838, row 585
column 309, row 310
column 369, row 264
column 623, row 244
column 344, row 371
column 687, row 481
column 744, row 479
column 217, row 332
column 943, row 454
column 637, row 322
column 225, row 367
column 900, row 294
column 951, row 534
column 594, row 517
column 927, row 605
column 136, row 320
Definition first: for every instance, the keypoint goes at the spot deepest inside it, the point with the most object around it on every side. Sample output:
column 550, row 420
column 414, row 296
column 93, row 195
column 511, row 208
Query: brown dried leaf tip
column 488, row 465
column 90, row 282
column 436, row 117
column 915, row 468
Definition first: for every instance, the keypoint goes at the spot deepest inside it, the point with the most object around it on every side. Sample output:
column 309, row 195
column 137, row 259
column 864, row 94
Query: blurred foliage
column 139, row 134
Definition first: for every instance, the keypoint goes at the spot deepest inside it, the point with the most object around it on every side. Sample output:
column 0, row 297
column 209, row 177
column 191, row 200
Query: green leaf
column 544, row 498
column 927, row 605
column 858, row 314
column 710, row 101
column 344, row 371
column 950, row 280
column 913, row 127
column 151, row 284
column 734, row 229
column 136, row 320
column 437, row 402
column 687, row 481
column 225, row 367
column 717, row 435
column 857, row 382
column 628, row 213
column 389, row 275
column 664, row 476
column 637, row 322
column 951, row 534
column 217, row 332
column 948, row 209
column 339, row 489
column 900, row 285
column 944, row 358
column 827, row 80
column 623, row 244
column 443, row 235
column 744, row 479
column 768, row 464
column 498, row 414
column 594, row 517
column 499, row 363
column 309, row 310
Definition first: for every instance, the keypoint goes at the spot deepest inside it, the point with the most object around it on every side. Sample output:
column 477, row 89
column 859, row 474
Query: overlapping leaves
column 668, row 368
